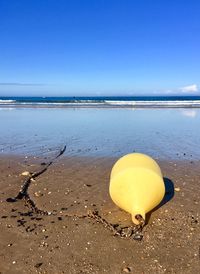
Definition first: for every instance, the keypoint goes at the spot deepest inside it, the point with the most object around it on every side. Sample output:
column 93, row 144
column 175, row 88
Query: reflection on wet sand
column 192, row 113
column 161, row 133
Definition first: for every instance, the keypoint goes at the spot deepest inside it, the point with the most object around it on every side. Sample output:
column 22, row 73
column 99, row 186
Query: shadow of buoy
column 169, row 194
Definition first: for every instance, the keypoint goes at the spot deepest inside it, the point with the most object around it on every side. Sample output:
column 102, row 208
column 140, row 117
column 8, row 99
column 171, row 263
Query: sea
column 162, row 127
column 103, row 101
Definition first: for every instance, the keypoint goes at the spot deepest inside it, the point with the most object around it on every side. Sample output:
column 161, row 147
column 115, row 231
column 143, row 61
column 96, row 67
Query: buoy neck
column 138, row 219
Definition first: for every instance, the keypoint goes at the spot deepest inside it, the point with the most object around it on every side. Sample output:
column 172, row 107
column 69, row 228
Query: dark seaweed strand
column 23, row 193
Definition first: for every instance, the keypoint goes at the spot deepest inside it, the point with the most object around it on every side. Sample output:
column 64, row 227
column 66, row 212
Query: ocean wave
column 64, row 102
column 155, row 103
column 111, row 103
column 7, row 101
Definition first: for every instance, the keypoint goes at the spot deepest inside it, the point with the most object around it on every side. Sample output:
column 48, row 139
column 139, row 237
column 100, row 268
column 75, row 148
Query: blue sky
column 99, row 47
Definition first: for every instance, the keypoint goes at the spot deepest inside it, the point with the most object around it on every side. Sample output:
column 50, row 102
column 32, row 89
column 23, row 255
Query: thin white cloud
column 189, row 89
column 168, row 91
column 21, row 84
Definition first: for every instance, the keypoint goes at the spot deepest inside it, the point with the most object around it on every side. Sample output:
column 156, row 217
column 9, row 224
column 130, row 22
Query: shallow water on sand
column 161, row 133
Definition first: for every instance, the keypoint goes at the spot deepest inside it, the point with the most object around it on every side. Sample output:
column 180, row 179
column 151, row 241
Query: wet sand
column 162, row 133
column 60, row 236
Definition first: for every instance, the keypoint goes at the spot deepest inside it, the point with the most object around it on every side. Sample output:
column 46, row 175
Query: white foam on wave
column 141, row 103
column 7, row 101
column 60, row 103
column 155, row 103
column 120, row 103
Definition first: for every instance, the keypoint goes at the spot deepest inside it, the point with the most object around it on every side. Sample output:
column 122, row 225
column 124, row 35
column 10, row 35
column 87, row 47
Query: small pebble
column 177, row 189
column 38, row 194
column 26, row 173
column 127, row 269
column 137, row 237
column 38, row 265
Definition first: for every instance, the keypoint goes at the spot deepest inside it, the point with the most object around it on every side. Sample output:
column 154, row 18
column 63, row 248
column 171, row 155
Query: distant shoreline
column 138, row 106
column 103, row 102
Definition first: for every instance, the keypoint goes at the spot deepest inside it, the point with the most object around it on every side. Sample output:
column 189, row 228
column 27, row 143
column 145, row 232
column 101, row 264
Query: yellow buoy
column 136, row 184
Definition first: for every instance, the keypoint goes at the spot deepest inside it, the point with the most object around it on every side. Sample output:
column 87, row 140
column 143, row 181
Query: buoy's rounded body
column 136, row 184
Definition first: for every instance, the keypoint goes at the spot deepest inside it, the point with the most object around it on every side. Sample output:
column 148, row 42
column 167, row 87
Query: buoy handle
column 138, row 219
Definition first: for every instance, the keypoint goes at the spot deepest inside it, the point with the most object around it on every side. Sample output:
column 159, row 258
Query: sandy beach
column 63, row 220
column 60, row 234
